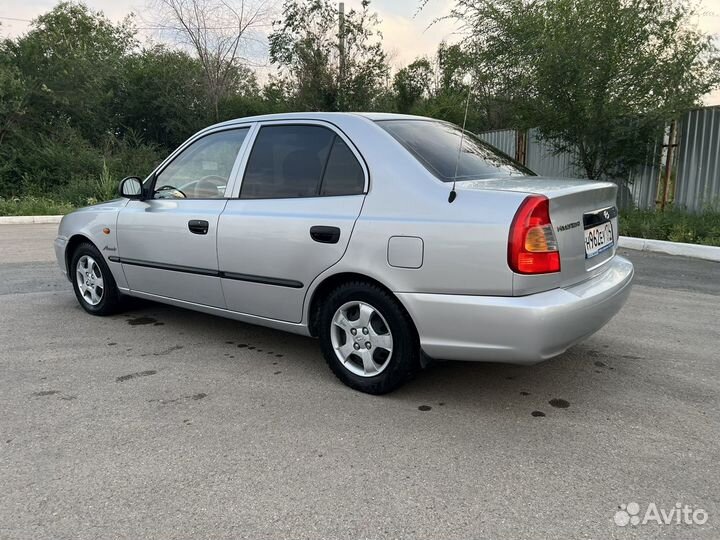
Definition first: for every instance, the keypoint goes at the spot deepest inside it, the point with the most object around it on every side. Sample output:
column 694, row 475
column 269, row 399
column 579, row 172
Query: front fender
column 96, row 224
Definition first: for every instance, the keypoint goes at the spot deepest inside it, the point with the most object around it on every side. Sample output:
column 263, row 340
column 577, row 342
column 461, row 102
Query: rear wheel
column 93, row 282
column 367, row 338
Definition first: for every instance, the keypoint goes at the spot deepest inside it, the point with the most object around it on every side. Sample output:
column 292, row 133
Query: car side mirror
column 131, row 188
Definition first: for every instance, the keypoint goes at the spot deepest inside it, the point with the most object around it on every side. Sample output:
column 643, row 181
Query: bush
column 33, row 206
column 673, row 225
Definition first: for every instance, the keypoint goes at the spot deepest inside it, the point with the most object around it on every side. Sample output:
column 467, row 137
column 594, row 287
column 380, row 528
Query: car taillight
column 532, row 246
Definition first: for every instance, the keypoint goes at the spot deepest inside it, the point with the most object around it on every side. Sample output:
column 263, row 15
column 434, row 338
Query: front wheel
column 93, row 282
column 367, row 338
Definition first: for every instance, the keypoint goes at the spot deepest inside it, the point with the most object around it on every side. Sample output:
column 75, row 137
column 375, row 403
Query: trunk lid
column 575, row 206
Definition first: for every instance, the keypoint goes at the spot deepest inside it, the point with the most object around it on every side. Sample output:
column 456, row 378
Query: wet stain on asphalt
column 111, row 344
column 46, row 393
column 277, row 373
column 559, row 403
column 138, row 321
column 163, row 401
column 242, row 345
column 424, row 408
column 124, row 378
column 279, row 355
column 631, row 357
column 194, row 397
column 230, row 342
column 600, row 364
column 168, row 351
column 524, row 393
column 159, row 324
column 537, row 413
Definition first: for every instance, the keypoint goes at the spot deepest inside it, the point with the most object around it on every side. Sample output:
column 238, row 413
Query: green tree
column 70, row 61
column 599, row 77
column 163, row 96
column 412, row 83
column 325, row 70
column 13, row 94
column 436, row 88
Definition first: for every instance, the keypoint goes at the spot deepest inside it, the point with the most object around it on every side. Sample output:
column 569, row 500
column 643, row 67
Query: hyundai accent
column 393, row 239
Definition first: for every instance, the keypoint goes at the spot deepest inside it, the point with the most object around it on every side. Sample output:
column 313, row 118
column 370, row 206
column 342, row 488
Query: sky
column 407, row 34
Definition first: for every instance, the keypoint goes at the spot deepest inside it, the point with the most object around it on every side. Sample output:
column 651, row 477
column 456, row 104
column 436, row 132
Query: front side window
column 202, row 170
column 300, row 161
column 435, row 144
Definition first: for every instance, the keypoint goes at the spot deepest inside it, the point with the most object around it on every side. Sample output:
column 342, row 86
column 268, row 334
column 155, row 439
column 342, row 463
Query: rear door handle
column 325, row 235
column 198, row 226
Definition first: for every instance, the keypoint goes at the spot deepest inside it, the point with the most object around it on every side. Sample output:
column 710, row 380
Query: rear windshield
column 436, row 145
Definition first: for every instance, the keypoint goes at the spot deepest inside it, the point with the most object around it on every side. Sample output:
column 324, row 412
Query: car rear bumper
column 522, row 329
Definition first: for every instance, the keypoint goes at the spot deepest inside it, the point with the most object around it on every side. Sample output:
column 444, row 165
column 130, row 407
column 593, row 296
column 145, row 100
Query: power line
column 168, row 28
column 15, row 19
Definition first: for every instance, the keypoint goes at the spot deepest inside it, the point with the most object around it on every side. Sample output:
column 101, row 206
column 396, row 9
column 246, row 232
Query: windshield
column 436, row 145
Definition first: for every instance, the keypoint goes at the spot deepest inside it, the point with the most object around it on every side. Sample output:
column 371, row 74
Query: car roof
column 326, row 116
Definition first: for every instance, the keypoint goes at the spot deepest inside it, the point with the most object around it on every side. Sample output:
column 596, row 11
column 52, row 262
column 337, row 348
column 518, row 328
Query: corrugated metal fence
column 695, row 176
column 697, row 182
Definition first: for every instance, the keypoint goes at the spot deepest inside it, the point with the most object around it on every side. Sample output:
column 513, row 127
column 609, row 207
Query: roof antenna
column 468, row 81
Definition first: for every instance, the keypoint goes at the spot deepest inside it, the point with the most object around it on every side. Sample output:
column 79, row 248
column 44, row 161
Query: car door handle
column 198, row 226
column 325, row 235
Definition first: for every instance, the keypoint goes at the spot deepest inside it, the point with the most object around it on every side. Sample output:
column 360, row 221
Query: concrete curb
column 695, row 251
column 25, row 220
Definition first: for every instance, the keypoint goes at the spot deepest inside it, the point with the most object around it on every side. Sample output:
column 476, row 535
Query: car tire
column 93, row 283
column 367, row 338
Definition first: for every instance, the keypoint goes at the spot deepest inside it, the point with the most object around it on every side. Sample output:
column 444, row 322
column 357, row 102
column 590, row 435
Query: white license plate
column 598, row 239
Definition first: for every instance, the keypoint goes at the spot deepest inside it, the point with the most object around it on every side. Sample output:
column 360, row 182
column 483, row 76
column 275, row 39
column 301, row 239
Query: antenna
column 467, row 80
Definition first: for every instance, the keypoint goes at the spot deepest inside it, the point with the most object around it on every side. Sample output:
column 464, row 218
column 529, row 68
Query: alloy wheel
column 89, row 280
column 361, row 338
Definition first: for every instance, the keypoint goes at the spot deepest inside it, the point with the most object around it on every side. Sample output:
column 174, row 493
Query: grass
column 34, row 206
column 673, row 225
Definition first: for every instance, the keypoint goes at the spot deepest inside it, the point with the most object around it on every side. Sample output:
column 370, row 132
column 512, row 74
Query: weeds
column 673, row 225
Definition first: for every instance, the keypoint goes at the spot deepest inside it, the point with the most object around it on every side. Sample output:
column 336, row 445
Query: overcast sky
column 406, row 34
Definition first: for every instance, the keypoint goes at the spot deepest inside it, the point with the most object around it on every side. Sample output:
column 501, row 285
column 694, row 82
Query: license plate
column 598, row 239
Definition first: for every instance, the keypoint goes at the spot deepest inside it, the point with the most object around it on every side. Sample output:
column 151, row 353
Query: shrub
column 673, row 224
column 33, row 206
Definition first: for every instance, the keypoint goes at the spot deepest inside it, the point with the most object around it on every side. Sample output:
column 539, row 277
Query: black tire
column 402, row 363
column 110, row 298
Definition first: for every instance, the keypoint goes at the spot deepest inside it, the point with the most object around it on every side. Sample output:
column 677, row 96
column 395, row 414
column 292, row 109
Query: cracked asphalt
column 164, row 423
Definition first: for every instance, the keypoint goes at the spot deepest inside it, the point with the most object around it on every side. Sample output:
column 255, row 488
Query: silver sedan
column 393, row 239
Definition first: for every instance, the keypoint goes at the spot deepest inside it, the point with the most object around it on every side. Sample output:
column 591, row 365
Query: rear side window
column 435, row 144
column 343, row 174
column 300, row 161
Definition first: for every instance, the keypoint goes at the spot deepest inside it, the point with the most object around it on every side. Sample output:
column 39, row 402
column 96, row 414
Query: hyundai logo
column 606, row 214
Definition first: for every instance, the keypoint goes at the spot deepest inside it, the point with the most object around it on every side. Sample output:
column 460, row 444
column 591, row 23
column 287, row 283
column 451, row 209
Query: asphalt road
column 164, row 423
